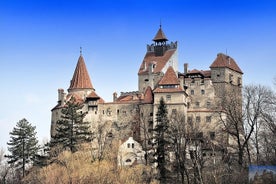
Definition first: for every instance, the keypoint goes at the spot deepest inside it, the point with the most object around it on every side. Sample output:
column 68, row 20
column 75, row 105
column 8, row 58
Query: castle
column 192, row 93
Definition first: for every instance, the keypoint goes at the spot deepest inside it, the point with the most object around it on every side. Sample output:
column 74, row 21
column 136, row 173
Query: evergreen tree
column 161, row 141
column 71, row 130
column 23, row 145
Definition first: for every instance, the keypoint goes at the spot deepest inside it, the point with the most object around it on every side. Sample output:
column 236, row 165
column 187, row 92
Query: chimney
column 60, row 96
column 114, row 97
column 185, row 68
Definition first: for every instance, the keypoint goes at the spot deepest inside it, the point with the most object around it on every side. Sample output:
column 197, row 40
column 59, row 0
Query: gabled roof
column 81, row 79
column 148, row 97
column 169, row 83
column 158, row 61
column 160, row 36
column 93, row 95
column 169, row 78
column 223, row 60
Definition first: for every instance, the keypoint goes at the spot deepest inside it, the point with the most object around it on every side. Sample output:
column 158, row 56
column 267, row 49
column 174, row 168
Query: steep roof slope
column 169, row 83
column 169, row 78
column 160, row 36
column 223, row 60
column 81, row 79
column 158, row 61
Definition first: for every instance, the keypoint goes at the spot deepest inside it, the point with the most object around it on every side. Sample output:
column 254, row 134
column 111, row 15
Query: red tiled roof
column 169, row 78
column 159, row 61
column 148, row 95
column 223, row 60
column 205, row 73
column 93, row 94
column 125, row 98
column 160, row 36
column 77, row 97
column 81, row 79
column 194, row 71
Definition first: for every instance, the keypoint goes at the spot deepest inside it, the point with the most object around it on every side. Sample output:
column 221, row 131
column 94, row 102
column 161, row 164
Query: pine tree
column 71, row 130
column 23, row 145
column 161, row 141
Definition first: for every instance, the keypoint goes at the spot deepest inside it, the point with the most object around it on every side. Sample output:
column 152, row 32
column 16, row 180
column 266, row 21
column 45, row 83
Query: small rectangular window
column 212, row 135
column 151, row 114
column 132, row 145
column 190, row 119
column 197, row 104
column 208, row 104
column 168, row 97
column 239, row 81
column 128, row 145
column 208, row 119
column 192, row 92
column 198, row 119
column 173, row 111
column 230, row 78
column 202, row 91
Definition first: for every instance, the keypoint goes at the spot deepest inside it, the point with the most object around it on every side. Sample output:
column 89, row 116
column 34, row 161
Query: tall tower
column 225, row 74
column 159, row 57
column 80, row 88
column 160, row 42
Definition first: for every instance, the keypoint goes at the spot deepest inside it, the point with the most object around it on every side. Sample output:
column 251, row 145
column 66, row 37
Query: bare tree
column 179, row 147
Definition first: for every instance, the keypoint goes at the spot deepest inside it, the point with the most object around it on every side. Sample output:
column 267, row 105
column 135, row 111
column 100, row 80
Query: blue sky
column 40, row 40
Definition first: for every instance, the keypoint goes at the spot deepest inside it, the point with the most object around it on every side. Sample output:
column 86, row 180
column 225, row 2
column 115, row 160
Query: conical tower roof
column 81, row 79
column 160, row 36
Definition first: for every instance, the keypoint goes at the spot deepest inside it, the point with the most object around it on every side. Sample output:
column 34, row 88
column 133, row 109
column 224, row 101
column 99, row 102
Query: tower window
column 174, row 111
column 212, row 135
column 208, row 104
column 190, row 119
column 230, row 78
column 146, row 80
column 198, row 119
column 239, row 81
column 202, row 91
column 208, row 119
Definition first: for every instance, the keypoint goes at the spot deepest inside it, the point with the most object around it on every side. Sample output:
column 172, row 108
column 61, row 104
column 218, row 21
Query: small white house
column 130, row 152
